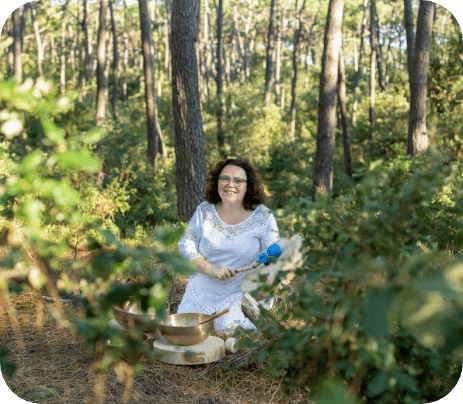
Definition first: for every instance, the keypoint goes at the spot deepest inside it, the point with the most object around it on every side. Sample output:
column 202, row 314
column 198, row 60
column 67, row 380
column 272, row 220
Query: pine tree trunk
column 379, row 55
column 87, row 59
column 24, row 14
column 101, row 64
column 17, row 69
column 150, row 96
column 269, row 61
column 323, row 170
column 167, row 40
column 115, row 94
column 186, row 107
column 63, row 49
column 278, row 56
column 72, row 55
column 283, row 86
column 35, row 25
column 410, row 33
column 341, row 88
column 247, row 48
column 296, row 41
column 358, row 73
column 126, row 56
column 219, row 81
column 372, row 69
column 417, row 133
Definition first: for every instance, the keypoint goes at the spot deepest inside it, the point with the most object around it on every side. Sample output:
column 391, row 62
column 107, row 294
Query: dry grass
column 54, row 366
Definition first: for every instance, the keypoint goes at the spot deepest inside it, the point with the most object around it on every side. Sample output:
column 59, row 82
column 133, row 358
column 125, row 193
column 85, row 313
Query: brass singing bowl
column 129, row 315
column 181, row 328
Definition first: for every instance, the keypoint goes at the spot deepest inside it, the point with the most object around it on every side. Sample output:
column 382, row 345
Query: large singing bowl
column 128, row 315
column 181, row 328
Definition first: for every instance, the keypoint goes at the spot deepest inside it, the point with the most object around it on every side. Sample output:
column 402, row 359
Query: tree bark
column 17, row 69
column 269, row 64
column 24, row 14
column 72, row 55
column 297, row 33
column 63, row 48
column 410, row 33
column 341, row 88
column 167, row 39
column 188, row 125
column 373, row 47
column 379, row 55
column 101, row 62
column 247, row 52
column 150, row 96
column 278, row 56
column 35, row 25
column 126, row 56
column 115, row 94
column 417, row 134
column 87, row 60
column 219, row 80
column 323, row 170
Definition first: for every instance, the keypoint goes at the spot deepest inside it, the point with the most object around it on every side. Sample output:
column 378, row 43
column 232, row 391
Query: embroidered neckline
column 237, row 224
column 258, row 218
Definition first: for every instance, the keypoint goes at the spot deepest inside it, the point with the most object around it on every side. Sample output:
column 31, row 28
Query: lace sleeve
column 270, row 233
column 188, row 245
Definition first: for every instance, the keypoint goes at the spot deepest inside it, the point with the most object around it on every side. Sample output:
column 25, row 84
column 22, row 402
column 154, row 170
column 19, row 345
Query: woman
column 228, row 231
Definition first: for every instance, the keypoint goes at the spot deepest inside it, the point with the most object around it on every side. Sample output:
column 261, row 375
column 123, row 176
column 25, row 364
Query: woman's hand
column 222, row 273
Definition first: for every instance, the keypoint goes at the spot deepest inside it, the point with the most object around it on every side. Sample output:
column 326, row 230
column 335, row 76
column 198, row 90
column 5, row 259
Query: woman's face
column 229, row 191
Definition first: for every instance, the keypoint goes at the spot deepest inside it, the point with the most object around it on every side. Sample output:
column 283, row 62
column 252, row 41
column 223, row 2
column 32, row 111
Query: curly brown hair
column 255, row 194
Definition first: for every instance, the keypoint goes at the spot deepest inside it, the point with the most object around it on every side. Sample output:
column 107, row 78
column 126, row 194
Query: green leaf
column 175, row 262
column 375, row 309
column 54, row 134
column 78, row 160
column 379, row 384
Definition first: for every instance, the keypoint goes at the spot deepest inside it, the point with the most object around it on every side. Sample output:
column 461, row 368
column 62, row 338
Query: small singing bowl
column 181, row 328
column 129, row 315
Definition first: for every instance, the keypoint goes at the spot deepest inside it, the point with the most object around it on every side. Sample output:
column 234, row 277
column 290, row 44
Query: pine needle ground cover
column 55, row 366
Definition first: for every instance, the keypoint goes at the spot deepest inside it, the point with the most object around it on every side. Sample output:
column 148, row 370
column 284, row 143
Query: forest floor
column 55, row 366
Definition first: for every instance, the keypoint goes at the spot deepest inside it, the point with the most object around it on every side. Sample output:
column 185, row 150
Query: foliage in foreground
column 38, row 193
column 383, row 299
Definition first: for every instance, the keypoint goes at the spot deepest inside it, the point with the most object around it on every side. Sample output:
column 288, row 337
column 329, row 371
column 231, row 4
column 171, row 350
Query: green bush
column 380, row 308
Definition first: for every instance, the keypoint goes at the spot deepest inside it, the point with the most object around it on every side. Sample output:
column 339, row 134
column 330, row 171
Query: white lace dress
column 223, row 244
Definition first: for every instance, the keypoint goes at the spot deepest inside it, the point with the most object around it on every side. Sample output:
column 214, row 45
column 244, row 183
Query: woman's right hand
column 222, row 273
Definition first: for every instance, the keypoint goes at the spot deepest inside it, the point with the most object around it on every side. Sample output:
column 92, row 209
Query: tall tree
column 323, row 170
column 341, row 89
column 278, row 55
column 219, row 79
column 150, row 96
column 115, row 94
column 87, row 61
column 63, row 48
column 101, row 61
column 296, row 40
column 35, row 25
column 373, row 48
column 17, row 70
column 269, row 64
column 379, row 54
column 417, row 133
column 188, row 125
column 126, row 55
column 410, row 33
column 358, row 73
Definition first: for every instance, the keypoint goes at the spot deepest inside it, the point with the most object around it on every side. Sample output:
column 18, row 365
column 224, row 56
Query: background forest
column 111, row 111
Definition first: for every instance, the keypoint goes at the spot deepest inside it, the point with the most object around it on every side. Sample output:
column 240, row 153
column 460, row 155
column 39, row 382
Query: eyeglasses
column 237, row 181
